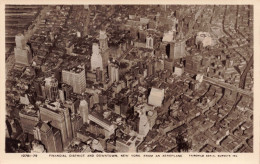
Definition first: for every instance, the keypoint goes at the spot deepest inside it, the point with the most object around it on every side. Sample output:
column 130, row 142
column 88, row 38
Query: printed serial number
column 29, row 155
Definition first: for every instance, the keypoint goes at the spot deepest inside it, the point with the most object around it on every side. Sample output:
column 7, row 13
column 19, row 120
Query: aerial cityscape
column 129, row 78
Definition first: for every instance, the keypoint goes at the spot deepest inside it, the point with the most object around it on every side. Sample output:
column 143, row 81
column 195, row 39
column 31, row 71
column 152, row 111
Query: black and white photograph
column 129, row 78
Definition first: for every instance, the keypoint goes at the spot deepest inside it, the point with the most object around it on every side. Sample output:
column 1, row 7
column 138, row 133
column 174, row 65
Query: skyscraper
column 150, row 68
column 67, row 89
column 156, row 97
column 96, row 58
column 61, row 95
column 103, row 40
column 49, row 136
column 113, row 72
column 149, row 41
column 29, row 117
column 193, row 64
column 177, row 49
column 38, row 88
column 51, row 88
column 22, row 52
column 98, row 75
column 87, row 11
column 100, row 119
column 76, row 124
column 59, row 118
column 168, row 64
column 76, row 78
column 83, row 109
column 143, row 124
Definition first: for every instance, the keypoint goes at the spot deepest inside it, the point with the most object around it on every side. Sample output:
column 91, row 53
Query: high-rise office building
column 67, row 90
column 72, row 104
column 83, row 109
column 133, row 33
column 193, row 64
column 143, row 124
column 159, row 65
column 29, row 117
column 152, row 116
column 126, row 143
column 99, row 58
column 61, row 95
column 49, row 136
column 104, row 123
column 156, row 97
column 142, row 35
column 103, row 40
column 51, row 88
column 22, row 52
column 150, row 68
column 20, row 41
column 149, row 42
column 75, row 77
column 59, row 118
column 85, row 30
column 98, row 75
column 96, row 58
column 42, row 84
column 76, row 123
column 109, row 69
column 38, row 83
column 113, row 72
column 168, row 65
column 177, row 49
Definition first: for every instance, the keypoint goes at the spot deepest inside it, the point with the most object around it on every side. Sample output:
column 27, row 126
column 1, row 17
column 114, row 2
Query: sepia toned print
column 129, row 78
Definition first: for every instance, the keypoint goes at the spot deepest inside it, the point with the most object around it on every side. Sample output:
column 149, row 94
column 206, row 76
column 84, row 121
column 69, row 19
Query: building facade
column 49, row 136
column 22, row 52
column 60, row 119
column 76, row 78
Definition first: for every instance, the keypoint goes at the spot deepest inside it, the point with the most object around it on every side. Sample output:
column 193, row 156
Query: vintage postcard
column 151, row 81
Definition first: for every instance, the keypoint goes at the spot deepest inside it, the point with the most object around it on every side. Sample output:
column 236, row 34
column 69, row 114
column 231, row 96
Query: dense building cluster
column 131, row 78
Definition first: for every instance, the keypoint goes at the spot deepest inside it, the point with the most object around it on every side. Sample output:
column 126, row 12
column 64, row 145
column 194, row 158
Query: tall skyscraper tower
column 98, row 75
column 87, row 11
column 76, row 77
column 59, row 118
column 67, row 89
column 113, row 72
column 103, row 40
column 83, row 109
column 96, row 58
column 29, row 117
column 22, row 52
column 149, row 41
column 143, row 125
column 51, row 88
column 38, row 84
column 49, row 136
column 177, row 49
column 193, row 64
